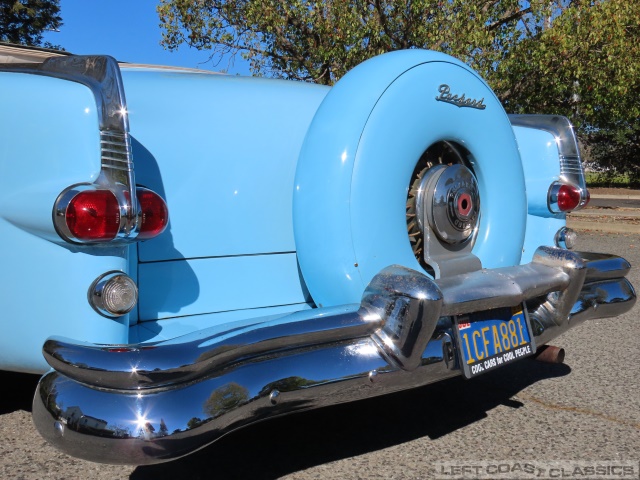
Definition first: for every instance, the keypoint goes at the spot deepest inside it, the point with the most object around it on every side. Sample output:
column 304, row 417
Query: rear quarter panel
column 540, row 162
column 48, row 141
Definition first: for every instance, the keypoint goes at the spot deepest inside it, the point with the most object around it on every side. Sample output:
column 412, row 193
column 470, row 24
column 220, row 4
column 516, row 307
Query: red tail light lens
column 154, row 212
column 93, row 216
column 568, row 198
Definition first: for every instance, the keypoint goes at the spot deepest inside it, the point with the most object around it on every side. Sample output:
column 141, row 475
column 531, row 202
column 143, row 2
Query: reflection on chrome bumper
column 143, row 404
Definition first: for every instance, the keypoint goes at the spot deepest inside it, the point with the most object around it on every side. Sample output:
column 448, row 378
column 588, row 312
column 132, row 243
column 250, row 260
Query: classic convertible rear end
column 211, row 251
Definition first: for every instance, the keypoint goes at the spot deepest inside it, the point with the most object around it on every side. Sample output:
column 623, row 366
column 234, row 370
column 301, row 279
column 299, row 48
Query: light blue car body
column 322, row 245
column 283, row 196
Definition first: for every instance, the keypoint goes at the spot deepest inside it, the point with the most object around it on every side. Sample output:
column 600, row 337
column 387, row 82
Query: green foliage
column 23, row 21
column 606, row 179
column 224, row 399
column 193, row 423
column 321, row 41
column 571, row 57
column 586, row 65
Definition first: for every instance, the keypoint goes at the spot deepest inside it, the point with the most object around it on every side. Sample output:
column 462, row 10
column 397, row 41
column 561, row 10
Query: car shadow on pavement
column 278, row 447
column 18, row 391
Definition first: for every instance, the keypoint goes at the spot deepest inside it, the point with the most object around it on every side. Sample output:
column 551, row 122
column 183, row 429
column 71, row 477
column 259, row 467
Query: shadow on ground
column 18, row 390
column 282, row 446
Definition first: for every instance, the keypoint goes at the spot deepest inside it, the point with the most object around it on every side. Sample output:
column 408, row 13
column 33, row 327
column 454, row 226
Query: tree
column 321, row 41
column 584, row 64
column 224, row 399
column 23, row 21
column 192, row 423
column 576, row 58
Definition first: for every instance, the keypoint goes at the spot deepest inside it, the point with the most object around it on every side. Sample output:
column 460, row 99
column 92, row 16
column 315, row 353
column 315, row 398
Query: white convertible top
column 10, row 53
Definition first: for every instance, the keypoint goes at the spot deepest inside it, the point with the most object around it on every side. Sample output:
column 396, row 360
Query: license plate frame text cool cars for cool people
column 493, row 338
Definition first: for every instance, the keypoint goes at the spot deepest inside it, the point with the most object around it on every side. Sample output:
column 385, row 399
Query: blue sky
column 127, row 30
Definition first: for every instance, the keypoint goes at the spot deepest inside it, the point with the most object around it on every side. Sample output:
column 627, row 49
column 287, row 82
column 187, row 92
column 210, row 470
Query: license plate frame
column 490, row 339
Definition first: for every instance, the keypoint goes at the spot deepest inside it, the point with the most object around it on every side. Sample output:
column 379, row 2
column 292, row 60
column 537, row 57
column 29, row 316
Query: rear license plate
column 492, row 339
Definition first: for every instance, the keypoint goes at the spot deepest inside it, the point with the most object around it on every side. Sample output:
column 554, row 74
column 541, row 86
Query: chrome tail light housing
column 92, row 214
column 569, row 192
column 113, row 208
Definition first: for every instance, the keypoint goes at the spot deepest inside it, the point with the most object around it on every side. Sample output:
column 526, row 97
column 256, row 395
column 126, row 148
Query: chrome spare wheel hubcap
column 455, row 203
column 447, row 207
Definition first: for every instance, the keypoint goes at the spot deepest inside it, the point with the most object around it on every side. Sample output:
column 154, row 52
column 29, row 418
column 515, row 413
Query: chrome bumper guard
column 149, row 403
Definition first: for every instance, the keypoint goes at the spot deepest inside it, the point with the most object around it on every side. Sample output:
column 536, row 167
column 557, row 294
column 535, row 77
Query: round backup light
column 113, row 294
column 566, row 238
column 93, row 216
column 154, row 213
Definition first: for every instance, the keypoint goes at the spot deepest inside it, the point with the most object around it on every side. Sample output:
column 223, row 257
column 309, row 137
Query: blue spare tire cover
column 357, row 161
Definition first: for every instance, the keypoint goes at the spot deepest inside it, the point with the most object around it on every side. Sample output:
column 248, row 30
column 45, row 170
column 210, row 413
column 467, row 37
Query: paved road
column 586, row 409
column 617, row 202
column 611, row 214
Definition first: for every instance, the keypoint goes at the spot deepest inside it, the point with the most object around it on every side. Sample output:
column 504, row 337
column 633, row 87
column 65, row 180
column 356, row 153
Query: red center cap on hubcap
column 464, row 204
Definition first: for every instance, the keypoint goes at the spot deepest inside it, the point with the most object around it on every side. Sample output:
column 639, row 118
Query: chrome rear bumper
column 148, row 403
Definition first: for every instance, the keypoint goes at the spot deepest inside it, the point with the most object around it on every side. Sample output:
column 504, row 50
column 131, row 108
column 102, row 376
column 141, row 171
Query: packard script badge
column 459, row 101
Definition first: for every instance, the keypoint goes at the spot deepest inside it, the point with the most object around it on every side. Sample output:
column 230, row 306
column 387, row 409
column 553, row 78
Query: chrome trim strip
column 101, row 74
column 558, row 126
column 571, row 171
column 144, row 404
column 116, row 152
column 571, row 164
